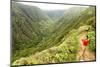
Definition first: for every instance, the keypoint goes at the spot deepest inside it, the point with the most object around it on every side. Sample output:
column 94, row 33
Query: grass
column 65, row 52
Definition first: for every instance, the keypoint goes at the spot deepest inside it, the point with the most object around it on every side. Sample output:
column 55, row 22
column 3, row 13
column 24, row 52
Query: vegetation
column 92, row 45
column 66, row 52
column 38, row 39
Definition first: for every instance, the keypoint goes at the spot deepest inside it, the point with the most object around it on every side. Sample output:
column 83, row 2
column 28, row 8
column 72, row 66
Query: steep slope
column 65, row 52
column 88, row 17
column 29, row 26
column 55, row 15
column 61, row 38
column 64, row 25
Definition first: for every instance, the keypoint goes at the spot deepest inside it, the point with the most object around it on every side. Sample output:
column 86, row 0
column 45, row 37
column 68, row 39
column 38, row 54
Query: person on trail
column 85, row 43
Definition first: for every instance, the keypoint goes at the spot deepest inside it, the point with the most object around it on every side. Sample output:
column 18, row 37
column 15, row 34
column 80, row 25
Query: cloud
column 68, row 1
column 46, row 6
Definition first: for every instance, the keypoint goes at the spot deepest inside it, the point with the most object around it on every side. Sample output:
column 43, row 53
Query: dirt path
column 88, row 56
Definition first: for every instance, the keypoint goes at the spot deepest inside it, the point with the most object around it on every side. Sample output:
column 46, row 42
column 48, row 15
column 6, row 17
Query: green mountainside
column 55, row 15
column 37, row 39
column 29, row 26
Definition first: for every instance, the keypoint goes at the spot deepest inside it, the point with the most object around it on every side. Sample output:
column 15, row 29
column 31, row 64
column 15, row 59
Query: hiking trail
column 89, row 56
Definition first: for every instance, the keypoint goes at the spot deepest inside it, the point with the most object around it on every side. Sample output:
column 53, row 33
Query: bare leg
column 83, row 55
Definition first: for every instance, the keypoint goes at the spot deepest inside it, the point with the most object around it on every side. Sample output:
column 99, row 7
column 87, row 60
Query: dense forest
column 40, row 36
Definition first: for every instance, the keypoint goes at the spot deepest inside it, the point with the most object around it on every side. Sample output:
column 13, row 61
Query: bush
column 92, row 44
column 22, row 61
column 65, row 52
column 83, row 28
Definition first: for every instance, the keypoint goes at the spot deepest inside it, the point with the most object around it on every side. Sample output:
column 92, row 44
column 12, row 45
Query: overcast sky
column 57, row 6
column 46, row 6
column 68, row 1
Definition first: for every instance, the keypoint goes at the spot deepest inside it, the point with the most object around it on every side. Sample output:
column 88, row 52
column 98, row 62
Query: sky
column 92, row 2
column 46, row 6
column 57, row 6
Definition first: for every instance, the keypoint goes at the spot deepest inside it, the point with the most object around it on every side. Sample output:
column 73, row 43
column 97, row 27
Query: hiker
column 85, row 43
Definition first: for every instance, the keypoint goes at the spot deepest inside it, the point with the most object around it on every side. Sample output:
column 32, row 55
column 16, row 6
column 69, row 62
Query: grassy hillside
column 65, row 52
column 29, row 26
column 38, row 39
column 55, row 15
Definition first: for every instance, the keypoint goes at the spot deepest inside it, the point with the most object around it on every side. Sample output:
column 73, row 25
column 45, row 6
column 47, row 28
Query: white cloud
column 57, row 6
column 46, row 6
column 92, row 2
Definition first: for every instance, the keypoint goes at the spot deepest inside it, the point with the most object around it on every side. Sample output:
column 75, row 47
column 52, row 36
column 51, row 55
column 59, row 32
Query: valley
column 42, row 37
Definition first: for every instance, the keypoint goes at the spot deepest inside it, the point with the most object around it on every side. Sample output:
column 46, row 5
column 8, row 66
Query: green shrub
column 65, row 52
column 92, row 44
